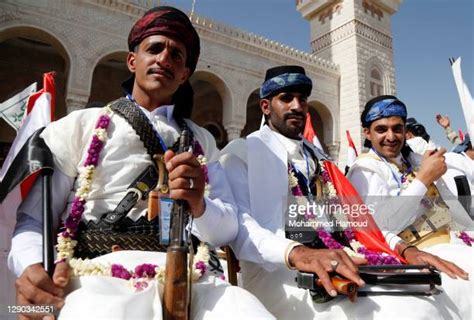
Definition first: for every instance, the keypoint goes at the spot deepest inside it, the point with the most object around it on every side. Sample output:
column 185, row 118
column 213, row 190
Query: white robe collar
column 164, row 110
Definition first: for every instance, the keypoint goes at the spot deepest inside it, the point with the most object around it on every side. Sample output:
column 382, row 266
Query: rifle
column 387, row 275
column 176, row 295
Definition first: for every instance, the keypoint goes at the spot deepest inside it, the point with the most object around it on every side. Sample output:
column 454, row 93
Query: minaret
column 356, row 35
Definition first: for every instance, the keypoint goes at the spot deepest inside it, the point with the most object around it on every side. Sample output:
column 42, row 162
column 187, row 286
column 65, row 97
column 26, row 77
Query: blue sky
column 425, row 34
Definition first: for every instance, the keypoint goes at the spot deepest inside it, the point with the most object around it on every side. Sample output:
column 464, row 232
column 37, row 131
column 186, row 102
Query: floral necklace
column 401, row 175
column 356, row 249
column 66, row 238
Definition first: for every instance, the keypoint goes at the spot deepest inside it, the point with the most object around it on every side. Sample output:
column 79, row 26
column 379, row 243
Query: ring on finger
column 334, row 264
column 191, row 183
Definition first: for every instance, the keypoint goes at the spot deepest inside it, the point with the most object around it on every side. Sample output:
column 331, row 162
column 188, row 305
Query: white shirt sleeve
column 218, row 225
column 391, row 212
column 27, row 241
column 253, row 243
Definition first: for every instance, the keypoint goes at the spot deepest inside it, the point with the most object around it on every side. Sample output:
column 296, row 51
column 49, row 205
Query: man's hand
column 186, row 180
column 433, row 166
column 443, row 121
column 34, row 286
column 415, row 256
column 319, row 261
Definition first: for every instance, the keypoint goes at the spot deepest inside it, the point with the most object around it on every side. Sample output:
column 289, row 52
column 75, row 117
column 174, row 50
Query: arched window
column 375, row 83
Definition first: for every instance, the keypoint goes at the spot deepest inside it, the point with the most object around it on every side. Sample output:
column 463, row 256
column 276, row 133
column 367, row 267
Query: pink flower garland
column 373, row 258
column 466, row 238
column 77, row 209
column 71, row 225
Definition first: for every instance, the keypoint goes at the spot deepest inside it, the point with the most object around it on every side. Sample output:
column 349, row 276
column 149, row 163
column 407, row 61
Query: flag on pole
column 351, row 150
column 467, row 102
column 17, row 178
column 14, row 109
column 309, row 133
column 39, row 113
column 461, row 135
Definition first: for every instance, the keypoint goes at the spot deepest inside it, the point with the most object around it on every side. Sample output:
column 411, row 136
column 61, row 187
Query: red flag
column 370, row 235
column 461, row 135
column 39, row 113
column 309, row 133
column 351, row 151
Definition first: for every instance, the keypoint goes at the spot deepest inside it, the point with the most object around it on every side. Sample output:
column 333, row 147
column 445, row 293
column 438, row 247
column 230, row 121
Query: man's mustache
column 161, row 70
column 295, row 115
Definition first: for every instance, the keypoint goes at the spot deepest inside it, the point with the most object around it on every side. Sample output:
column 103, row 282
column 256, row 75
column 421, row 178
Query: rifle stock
column 176, row 297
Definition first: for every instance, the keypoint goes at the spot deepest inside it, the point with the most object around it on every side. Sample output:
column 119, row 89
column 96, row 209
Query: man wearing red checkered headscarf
column 112, row 206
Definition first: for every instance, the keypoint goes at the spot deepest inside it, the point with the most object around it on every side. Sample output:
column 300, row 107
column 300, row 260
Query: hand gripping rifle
column 400, row 277
column 176, row 296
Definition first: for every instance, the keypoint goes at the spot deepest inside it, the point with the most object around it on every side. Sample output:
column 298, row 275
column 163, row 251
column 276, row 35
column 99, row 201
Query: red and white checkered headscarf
column 170, row 22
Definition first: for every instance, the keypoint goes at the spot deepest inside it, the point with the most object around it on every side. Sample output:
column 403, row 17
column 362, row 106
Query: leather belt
column 432, row 222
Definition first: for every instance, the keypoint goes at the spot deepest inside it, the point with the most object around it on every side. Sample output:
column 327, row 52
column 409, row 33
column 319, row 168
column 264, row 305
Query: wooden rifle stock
column 176, row 298
column 343, row 286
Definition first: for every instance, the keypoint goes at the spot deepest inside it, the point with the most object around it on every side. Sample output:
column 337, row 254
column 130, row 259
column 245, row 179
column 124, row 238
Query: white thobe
column 121, row 160
column 257, row 172
column 396, row 207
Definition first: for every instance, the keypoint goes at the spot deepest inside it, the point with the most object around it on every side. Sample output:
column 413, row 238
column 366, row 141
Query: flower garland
column 142, row 274
column 465, row 238
column 66, row 238
column 356, row 249
column 198, row 152
column 66, row 242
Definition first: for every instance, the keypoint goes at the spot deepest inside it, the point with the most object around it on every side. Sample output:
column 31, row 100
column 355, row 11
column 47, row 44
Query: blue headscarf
column 285, row 78
column 388, row 106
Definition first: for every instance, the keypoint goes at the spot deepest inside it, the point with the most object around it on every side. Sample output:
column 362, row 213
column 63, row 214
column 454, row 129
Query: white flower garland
column 87, row 267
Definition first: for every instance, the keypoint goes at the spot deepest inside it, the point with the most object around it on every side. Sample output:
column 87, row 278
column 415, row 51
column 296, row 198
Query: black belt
column 96, row 239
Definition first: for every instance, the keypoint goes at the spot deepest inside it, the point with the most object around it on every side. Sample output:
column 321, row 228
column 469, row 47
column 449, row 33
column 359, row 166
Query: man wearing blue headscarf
column 381, row 170
column 408, row 195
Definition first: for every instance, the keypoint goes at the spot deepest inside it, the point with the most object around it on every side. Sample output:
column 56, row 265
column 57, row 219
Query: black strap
column 148, row 135
column 142, row 126
column 140, row 123
column 138, row 189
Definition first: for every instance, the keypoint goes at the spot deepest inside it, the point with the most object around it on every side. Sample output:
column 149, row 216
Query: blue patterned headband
column 386, row 108
column 299, row 81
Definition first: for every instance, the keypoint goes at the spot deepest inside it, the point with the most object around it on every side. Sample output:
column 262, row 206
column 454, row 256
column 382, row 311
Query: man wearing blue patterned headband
column 273, row 173
column 407, row 193
column 383, row 121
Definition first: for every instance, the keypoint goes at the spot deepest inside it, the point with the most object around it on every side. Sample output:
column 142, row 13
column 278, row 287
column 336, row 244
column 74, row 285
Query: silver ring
column 191, row 183
column 334, row 265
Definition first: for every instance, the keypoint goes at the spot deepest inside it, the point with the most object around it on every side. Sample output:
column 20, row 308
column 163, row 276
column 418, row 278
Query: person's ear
column 131, row 59
column 366, row 132
column 265, row 106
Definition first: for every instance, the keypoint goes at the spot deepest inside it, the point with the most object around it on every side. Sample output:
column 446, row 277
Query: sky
column 425, row 34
